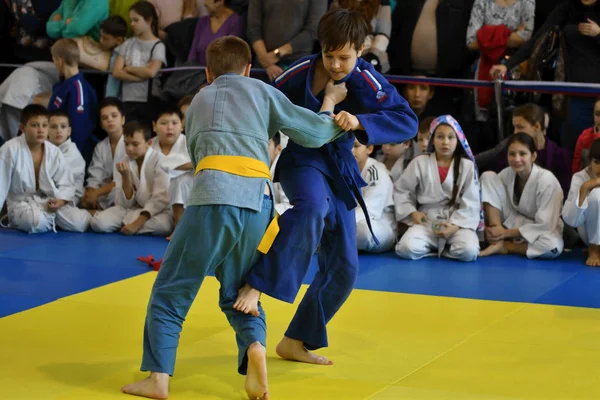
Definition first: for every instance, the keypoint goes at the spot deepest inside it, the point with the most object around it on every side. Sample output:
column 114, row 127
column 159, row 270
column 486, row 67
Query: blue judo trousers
column 209, row 239
column 323, row 185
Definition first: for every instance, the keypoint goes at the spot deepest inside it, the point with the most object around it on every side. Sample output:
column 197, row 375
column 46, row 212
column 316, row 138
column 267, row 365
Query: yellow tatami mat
column 384, row 345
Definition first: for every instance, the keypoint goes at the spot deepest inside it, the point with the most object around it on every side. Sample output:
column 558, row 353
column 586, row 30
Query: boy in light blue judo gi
column 230, row 216
column 323, row 185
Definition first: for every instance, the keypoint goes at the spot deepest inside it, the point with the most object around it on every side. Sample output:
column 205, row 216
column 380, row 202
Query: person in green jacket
column 74, row 18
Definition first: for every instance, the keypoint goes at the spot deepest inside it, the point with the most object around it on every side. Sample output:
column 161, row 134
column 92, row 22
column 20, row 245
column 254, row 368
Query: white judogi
column 402, row 162
column 103, row 169
column 587, row 217
column 378, row 197
column 76, row 165
column 27, row 205
column 537, row 215
column 282, row 203
column 180, row 182
column 150, row 194
column 397, row 169
column 420, row 187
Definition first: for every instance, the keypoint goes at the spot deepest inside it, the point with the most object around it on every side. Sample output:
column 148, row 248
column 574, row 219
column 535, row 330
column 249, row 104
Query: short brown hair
column 227, row 54
column 531, row 113
column 340, row 27
column 32, row 111
column 67, row 50
column 186, row 101
column 130, row 128
column 425, row 124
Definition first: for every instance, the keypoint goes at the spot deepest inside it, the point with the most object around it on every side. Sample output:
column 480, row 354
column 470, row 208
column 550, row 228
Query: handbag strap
column 151, row 80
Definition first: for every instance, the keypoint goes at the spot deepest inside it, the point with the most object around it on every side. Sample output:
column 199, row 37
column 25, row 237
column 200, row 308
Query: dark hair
column 132, row 127
column 367, row 8
column 524, row 139
column 340, row 27
column 32, row 111
column 459, row 153
column 111, row 102
column 595, row 150
column 531, row 113
column 276, row 138
column 147, row 11
column 59, row 113
column 227, row 54
column 114, row 26
column 186, row 101
column 167, row 110
column 425, row 124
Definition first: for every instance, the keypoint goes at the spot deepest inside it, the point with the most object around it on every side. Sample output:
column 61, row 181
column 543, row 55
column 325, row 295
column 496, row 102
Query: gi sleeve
column 549, row 199
column 7, row 165
column 63, row 179
column 405, row 191
column 81, row 112
column 302, row 125
column 375, row 194
column 388, row 117
column 572, row 213
column 159, row 199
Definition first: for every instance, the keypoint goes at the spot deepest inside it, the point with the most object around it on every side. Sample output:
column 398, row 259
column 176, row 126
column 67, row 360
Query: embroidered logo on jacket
column 57, row 102
column 381, row 96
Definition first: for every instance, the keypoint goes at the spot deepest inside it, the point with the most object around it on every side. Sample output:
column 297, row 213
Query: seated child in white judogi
column 396, row 156
column 35, row 180
column 276, row 145
column 582, row 208
column 141, row 190
column 99, row 193
column 59, row 134
column 522, row 205
column 171, row 145
column 378, row 199
column 438, row 196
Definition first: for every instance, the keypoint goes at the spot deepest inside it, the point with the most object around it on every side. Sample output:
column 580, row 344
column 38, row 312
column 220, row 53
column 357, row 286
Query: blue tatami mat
column 36, row 269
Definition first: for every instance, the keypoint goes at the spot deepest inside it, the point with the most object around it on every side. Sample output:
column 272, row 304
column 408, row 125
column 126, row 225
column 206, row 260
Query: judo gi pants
column 589, row 231
column 318, row 217
column 213, row 238
column 114, row 218
column 32, row 216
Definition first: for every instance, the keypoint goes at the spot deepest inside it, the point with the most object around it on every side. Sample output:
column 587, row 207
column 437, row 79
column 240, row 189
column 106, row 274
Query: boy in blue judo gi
column 323, row 185
column 230, row 216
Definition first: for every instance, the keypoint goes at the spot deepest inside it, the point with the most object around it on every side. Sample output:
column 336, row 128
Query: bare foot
column 169, row 237
column 494, row 248
column 294, row 350
column 594, row 256
column 156, row 386
column 256, row 377
column 247, row 300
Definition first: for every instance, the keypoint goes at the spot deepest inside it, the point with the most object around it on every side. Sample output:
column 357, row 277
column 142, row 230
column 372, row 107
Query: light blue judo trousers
column 226, row 215
column 209, row 239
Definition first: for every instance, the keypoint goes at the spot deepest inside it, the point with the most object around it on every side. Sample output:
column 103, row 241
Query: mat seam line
column 535, row 301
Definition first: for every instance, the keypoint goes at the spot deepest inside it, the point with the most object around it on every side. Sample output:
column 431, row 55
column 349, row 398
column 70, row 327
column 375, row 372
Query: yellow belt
column 250, row 168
